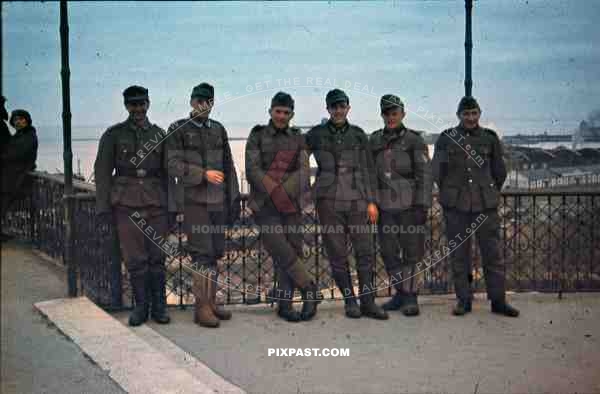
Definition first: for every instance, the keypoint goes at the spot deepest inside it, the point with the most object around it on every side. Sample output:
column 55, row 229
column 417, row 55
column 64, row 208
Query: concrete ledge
column 130, row 360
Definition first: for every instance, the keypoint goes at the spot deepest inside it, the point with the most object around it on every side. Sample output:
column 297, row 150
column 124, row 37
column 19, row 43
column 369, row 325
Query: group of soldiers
column 187, row 176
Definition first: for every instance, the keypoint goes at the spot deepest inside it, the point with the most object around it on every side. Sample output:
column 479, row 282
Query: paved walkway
column 553, row 348
column 35, row 357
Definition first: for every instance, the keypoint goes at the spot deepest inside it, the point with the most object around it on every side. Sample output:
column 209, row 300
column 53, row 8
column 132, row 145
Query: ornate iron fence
column 550, row 241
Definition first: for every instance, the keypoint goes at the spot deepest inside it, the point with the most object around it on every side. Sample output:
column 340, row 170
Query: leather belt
column 139, row 172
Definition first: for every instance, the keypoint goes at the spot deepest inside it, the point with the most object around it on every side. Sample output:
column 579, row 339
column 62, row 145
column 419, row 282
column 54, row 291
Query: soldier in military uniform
column 135, row 198
column 345, row 198
column 200, row 157
column 277, row 170
column 403, row 196
column 469, row 169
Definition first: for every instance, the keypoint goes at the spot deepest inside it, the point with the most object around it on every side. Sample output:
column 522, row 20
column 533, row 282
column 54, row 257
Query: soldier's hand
column 373, row 213
column 215, row 177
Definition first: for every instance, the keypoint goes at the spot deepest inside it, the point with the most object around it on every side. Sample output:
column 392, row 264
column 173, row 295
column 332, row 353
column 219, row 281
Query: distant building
column 534, row 168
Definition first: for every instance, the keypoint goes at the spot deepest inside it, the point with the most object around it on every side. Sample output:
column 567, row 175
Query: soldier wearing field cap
column 138, row 191
column 199, row 156
column 404, row 196
column 345, row 198
column 277, row 170
column 468, row 167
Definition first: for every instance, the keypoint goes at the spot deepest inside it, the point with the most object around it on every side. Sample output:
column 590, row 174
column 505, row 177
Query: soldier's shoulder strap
column 257, row 128
column 357, row 129
column 416, row 132
column 176, row 125
column 376, row 135
column 157, row 129
column 215, row 123
column 295, row 130
column 491, row 132
column 417, row 135
column 116, row 128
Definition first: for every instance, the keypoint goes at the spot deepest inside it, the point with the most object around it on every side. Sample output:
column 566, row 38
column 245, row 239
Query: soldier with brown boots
column 199, row 156
column 135, row 198
column 277, row 170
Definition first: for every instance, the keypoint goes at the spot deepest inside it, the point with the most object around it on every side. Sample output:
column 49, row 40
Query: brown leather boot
column 218, row 310
column 203, row 313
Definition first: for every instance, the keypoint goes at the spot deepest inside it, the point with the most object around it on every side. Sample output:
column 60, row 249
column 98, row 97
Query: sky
column 535, row 66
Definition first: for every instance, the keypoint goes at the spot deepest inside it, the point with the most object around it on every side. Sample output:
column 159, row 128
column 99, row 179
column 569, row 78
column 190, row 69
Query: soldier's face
column 138, row 110
column 202, row 106
column 393, row 117
column 469, row 118
column 281, row 116
column 338, row 112
column 20, row 122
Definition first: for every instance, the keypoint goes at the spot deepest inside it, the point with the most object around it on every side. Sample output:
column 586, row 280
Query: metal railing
column 550, row 241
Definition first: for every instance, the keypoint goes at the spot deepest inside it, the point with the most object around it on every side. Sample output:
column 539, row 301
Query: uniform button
column 469, row 169
column 470, row 181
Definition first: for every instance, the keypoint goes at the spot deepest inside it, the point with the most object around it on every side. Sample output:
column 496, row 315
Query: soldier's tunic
column 132, row 184
column 193, row 147
column 280, row 155
column 404, row 187
column 469, row 169
column 344, row 186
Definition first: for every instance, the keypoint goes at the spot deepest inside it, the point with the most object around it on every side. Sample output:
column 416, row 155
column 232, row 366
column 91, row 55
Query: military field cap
column 389, row 101
column 135, row 94
column 19, row 112
column 204, row 90
column 467, row 102
column 282, row 99
column 335, row 96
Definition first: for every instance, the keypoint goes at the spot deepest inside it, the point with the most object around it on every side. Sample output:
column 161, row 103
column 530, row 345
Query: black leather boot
column 139, row 314
column 368, row 307
column 159, row 299
column 395, row 303
column 344, row 283
column 503, row 308
column 410, row 306
column 462, row 307
column 284, row 295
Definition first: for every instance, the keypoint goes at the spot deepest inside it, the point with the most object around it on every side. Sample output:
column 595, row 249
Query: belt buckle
column 140, row 172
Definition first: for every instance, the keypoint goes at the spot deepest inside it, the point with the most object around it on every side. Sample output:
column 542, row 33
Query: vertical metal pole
column 67, row 153
column 468, row 47
column 2, row 45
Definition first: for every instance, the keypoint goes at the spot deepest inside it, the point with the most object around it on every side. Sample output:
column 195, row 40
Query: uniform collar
column 474, row 132
column 334, row 130
column 134, row 126
column 206, row 123
column 398, row 131
column 273, row 130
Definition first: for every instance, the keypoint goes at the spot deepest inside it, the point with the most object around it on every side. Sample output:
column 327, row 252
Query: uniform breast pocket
column 455, row 153
column 125, row 150
column 401, row 160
